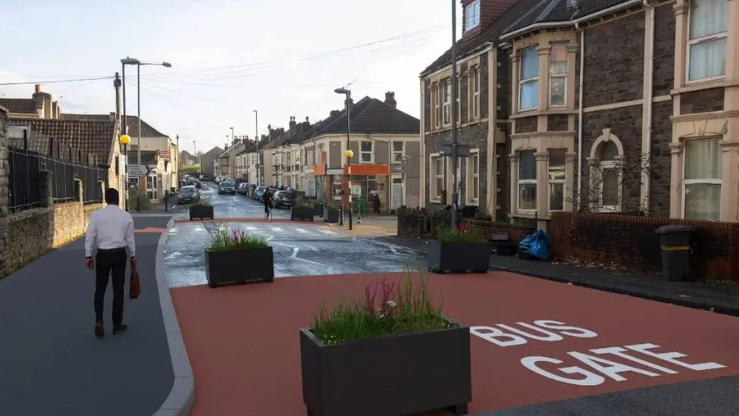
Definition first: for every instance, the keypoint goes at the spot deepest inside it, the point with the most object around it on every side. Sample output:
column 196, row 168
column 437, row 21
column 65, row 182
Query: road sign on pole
column 138, row 170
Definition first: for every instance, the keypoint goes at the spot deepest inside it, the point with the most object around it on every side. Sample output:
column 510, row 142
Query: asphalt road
column 300, row 248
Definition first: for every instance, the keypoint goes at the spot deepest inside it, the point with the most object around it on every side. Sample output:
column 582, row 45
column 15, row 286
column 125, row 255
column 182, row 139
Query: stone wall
column 3, row 189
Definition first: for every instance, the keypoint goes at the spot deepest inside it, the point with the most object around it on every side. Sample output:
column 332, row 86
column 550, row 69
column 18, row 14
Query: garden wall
column 631, row 242
column 422, row 223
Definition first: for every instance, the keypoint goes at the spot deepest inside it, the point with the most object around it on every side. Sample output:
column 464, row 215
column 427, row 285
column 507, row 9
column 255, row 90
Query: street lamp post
column 133, row 61
column 125, row 140
column 256, row 138
column 349, row 154
column 455, row 92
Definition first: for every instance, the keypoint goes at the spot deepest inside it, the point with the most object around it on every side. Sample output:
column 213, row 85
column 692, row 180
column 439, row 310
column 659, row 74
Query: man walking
column 111, row 231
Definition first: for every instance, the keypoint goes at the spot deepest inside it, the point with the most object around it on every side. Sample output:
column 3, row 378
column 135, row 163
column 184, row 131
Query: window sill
column 449, row 128
column 554, row 111
column 694, row 86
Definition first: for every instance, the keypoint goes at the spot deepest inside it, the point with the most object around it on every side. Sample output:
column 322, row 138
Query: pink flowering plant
column 388, row 308
column 232, row 239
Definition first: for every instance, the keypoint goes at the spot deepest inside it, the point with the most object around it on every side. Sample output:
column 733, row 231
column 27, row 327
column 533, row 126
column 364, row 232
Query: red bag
column 135, row 289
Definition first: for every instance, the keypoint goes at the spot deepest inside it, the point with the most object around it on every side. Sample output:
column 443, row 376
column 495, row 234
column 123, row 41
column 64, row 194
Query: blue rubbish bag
column 536, row 245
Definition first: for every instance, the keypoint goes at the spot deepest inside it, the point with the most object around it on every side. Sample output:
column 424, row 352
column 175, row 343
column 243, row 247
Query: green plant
column 332, row 207
column 138, row 200
column 201, row 203
column 465, row 233
column 303, row 203
column 225, row 239
column 403, row 308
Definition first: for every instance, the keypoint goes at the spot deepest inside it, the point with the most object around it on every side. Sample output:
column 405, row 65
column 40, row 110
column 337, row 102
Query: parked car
column 204, row 178
column 258, row 193
column 227, row 186
column 283, row 199
column 243, row 188
column 188, row 194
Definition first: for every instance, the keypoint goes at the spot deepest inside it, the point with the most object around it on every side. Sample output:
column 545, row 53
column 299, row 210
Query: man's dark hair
column 111, row 196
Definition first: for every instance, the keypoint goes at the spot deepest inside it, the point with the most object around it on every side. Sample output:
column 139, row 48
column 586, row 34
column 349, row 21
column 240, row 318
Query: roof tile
column 94, row 137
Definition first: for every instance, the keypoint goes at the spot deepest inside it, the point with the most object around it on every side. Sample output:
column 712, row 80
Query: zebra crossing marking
column 277, row 229
column 300, row 230
column 327, row 231
column 251, row 228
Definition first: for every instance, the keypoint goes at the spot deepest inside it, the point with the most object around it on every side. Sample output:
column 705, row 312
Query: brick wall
column 422, row 223
column 631, row 242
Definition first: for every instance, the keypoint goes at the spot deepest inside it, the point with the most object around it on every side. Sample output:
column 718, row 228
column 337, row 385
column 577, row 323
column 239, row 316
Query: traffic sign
column 138, row 170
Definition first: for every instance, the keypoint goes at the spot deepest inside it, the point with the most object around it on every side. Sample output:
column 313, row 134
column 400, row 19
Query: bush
column 404, row 308
column 201, row 203
column 465, row 233
column 332, row 207
column 138, row 200
column 303, row 203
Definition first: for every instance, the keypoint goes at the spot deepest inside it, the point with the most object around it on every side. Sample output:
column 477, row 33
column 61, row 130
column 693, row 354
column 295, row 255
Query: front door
column 397, row 191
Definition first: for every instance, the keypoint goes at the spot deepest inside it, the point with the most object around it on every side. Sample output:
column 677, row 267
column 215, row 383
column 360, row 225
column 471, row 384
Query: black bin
column 675, row 243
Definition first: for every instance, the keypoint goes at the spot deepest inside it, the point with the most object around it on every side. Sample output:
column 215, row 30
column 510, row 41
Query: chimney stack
column 390, row 99
column 292, row 126
column 38, row 88
column 335, row 113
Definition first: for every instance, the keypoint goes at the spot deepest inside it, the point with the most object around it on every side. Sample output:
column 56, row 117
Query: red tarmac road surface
column 243, row 340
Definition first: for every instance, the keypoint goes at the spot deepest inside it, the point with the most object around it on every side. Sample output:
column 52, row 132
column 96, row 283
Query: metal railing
column 66, row 165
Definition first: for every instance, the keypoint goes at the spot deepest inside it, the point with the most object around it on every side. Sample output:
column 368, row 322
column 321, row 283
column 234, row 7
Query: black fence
column 66, row 165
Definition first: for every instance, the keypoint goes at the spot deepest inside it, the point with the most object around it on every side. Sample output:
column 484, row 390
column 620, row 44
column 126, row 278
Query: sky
column 229, row 57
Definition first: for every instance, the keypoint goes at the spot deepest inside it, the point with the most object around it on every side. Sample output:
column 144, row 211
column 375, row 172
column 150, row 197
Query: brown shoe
column 99, row 330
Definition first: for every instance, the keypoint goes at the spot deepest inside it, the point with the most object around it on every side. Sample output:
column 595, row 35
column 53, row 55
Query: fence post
column 46, row 190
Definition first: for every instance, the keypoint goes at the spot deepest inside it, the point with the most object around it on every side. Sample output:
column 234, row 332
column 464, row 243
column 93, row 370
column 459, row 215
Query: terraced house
column 386, row 146
column 613, row 105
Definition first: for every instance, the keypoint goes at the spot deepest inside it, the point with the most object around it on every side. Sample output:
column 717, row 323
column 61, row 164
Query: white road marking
column 277, row 229
column 173, row 231
column 300, row 230
column 295, row 252
column 251, row 228
column 327, row 231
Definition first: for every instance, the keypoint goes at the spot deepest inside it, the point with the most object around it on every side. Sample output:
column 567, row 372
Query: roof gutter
column 485, row 47
column 609, row 10
column 534, row 27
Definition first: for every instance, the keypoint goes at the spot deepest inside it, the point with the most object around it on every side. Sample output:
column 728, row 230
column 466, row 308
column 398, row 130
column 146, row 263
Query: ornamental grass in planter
column 201, row 210
column 393, row 352
column 237, row 257
column 459, row 251
column 302, row 210
column 332, row 213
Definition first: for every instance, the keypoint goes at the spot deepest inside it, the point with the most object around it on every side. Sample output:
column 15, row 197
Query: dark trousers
column 110, row 262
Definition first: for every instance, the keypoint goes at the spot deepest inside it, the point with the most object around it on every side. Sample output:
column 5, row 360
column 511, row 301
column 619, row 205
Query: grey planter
column 301, row 213
column 332, row 215
column 387, row 376
column 239, row 266
column 458, row 257
column 201, row 212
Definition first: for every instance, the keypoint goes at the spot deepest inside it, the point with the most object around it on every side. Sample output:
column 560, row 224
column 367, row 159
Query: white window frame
column 559, row 76
column 362, row 153
column 475, row 93
column 436, row 194
column 297, row 157
column 705, row 39
column 394, row 152
column 551, row 181
column 522, row 81
column 436, row 97
column 472, row 16
column 471, row 166
column 705, row 181
column 446, row 103
column 602, row 166
column 520, row 182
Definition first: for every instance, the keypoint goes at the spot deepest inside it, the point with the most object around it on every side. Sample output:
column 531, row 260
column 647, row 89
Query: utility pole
column 117, row 86
column 454, row 115
column 256, row 137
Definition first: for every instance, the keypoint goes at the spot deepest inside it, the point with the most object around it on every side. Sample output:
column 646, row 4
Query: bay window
column 366, row 152
column 528, row 91
column 707, row 32
column 447, row 100
column 556, row 171
column 702, row 179
column 558, row 75
column 527, row 180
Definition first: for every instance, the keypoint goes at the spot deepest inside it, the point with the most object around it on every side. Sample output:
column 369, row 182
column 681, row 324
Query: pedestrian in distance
column 267, row 201
column 111, row 231
column 376, row 204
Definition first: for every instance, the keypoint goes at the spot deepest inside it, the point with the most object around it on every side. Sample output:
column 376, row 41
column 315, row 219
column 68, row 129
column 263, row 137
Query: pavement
column 50, row 361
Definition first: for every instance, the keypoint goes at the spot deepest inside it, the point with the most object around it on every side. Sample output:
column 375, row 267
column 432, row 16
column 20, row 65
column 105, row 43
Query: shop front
column 366, row 182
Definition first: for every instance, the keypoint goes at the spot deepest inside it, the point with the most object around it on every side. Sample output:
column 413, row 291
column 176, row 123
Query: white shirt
column 110, row 227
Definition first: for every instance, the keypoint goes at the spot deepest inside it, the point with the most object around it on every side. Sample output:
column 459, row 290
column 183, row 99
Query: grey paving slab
column 51, row 364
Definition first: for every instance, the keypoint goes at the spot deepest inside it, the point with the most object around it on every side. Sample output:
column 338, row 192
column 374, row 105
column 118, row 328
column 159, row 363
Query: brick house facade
column 608, row 114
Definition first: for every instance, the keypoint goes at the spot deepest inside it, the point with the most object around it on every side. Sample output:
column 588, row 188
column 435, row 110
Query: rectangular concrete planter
column 458, row 257
column 332, row 215
column 201, row 212
column 387, row 376
column 239, row 266
column 301, row 213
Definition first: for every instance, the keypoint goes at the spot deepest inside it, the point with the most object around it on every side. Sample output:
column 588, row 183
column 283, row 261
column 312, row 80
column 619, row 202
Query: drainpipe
column 649, row 97
column 580, row 114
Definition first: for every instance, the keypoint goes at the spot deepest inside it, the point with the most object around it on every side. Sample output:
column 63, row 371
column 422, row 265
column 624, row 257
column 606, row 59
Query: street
column 300, row 248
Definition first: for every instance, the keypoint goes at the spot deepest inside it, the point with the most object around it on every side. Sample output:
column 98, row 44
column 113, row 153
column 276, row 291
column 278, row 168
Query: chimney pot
column 38, row 88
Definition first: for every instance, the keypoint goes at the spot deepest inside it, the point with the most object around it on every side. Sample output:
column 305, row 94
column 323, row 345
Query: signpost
column 138, row 170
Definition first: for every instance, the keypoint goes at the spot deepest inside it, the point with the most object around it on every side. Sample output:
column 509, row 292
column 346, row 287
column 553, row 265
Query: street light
column 349, row 154
column 139, row 64
column 125, row 140
column 256, row 138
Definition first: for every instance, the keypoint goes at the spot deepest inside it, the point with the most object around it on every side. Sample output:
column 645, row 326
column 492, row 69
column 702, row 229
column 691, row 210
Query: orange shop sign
column 369, row 170
column 319, row 170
